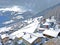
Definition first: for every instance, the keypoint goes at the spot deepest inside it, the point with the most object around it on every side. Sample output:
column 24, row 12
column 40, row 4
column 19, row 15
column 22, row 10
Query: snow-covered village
column 30, row 23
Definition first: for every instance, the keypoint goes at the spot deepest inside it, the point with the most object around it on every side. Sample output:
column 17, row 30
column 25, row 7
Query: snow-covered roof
column 46, row 23
column 4, row 36
column 40, row 17
column 30, row 29
column 38, row 34
column 52, row 33
column 41, row 29
column 50, row 20
column 3, row 29
column 57, row 30
column 18, row 35
column 28, row 39
column 12, row 37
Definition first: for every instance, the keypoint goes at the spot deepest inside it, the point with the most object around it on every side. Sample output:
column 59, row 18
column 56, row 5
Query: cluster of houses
column 38, row 32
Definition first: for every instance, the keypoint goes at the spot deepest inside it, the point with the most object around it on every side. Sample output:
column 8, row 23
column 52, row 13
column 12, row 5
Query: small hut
column 30, row 39
column 5, row 38
column 50, row 33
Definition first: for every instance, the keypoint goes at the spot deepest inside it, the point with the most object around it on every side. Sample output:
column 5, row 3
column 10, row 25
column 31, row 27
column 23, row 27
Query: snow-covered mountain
column 13, row 15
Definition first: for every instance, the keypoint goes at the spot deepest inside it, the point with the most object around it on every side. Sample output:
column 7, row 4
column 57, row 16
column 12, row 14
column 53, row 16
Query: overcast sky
column 34, row 5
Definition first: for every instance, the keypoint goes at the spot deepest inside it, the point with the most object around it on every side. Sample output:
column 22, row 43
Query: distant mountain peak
column 14, row 8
